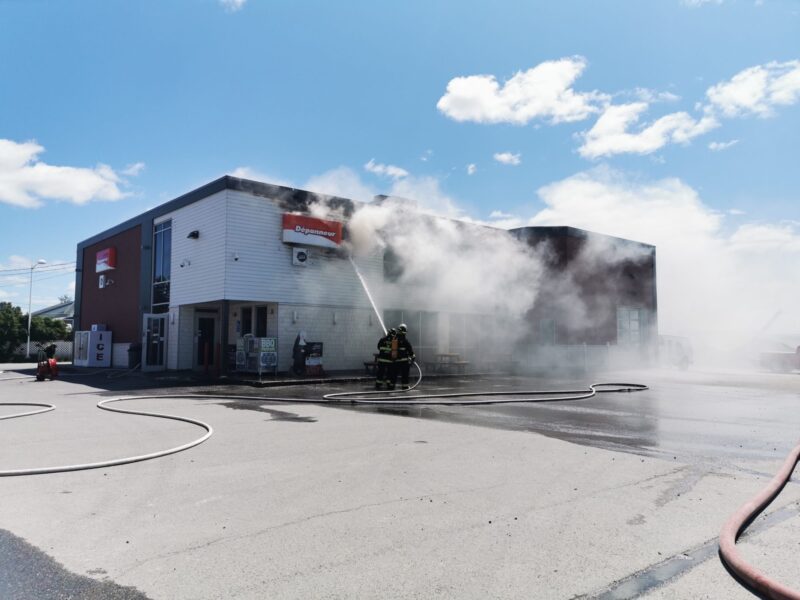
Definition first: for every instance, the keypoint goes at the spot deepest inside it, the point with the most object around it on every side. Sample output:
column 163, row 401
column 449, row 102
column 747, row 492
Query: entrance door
column 154, row 342
column 205, row 341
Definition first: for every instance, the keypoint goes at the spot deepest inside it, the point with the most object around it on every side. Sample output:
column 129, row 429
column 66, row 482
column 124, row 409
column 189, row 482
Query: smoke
column 431, row 262
column 721, row 282
column 446, row 265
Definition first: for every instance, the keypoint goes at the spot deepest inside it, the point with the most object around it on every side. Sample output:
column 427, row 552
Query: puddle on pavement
column 277, row 415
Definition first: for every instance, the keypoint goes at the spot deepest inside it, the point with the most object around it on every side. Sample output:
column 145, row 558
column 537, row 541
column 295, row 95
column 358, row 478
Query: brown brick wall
column 116, row 305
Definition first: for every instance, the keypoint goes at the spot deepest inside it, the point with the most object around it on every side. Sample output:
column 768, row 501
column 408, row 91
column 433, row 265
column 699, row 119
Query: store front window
column 162, row 255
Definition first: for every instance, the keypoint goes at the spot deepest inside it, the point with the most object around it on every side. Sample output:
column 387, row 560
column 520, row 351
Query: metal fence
column 63, row 350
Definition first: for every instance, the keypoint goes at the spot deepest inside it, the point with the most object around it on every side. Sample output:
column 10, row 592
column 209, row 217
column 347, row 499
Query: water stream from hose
column 369, row 295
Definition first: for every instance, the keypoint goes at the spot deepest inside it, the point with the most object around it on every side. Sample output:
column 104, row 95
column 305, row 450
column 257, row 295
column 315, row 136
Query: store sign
column 299, row 229
column 105, row 260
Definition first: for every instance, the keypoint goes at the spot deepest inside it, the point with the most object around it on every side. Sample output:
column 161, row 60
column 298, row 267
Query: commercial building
column 226, row 277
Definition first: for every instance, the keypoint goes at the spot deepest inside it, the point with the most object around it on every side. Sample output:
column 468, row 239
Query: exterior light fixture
column 193, row 235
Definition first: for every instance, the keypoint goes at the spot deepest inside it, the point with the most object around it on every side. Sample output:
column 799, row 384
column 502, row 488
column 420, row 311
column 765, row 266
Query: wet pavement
column 295, row 486
column 694, row 417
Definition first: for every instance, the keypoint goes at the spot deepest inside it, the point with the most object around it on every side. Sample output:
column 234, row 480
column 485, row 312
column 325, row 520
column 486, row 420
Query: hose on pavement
column 739, row 521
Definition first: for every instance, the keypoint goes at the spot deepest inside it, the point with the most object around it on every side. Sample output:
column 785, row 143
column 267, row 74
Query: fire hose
column 732, row 529
column 739, row 521
column 353, row 398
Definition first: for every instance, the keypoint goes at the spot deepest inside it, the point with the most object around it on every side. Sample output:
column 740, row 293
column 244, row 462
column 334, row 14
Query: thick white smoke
column 725, row 284
column 446, row 265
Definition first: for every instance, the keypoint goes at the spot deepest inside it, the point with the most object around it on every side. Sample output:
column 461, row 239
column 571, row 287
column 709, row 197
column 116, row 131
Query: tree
column 64, row 299
column 13, row 330
column 45, row 329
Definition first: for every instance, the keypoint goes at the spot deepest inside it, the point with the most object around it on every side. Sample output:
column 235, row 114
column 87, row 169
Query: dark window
column 247, row 320
column 261, row 321
column 392, row 267
column 162, row 255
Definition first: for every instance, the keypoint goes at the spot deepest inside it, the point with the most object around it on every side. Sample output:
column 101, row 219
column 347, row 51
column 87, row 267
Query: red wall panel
column 117, row 304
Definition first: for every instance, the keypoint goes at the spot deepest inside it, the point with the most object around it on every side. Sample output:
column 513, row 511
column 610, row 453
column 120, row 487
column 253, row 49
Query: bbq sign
column 299, row 229
column 105, row 260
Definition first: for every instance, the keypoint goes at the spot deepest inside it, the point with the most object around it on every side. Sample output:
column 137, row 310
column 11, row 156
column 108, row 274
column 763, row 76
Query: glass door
column 154, row 342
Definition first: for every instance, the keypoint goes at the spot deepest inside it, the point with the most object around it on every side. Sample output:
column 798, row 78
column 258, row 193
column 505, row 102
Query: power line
column 41, row 268
column 35, row 279
column 26, row 276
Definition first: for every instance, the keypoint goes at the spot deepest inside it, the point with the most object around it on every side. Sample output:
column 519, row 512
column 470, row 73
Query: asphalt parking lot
column 618, row 496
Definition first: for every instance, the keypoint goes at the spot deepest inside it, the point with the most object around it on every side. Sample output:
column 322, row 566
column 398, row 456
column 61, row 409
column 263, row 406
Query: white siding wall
column 185, row 337
column 204, row 278
column 236, row 224
column 264, row 271
column 347, row 343
column 173, row 323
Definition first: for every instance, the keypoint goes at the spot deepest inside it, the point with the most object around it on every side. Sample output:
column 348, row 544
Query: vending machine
column 92, row 348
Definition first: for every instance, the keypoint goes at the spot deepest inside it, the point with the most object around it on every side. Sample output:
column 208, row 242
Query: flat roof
column 289, row 199
column 294, row 199
column 552, row 231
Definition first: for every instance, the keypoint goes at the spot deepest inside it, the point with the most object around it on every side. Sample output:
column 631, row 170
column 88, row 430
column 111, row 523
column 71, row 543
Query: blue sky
column 689, row 107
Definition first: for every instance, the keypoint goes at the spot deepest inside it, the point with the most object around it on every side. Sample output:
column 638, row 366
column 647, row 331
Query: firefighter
column 385, row 370
column 404, row 357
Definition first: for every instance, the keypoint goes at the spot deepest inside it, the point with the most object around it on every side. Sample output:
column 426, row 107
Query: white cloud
column 719, row 146
column 385, row 170
column 426, row 155
column 610, row 134
column 133, row 170
column 736, row 212
column 542, row 92
column 652, row 96
column 761, row 237
column 711, row 277
column 757, row 90
column 471, row 169
column 232, row 5
column 507, row 158
column 696, row 3
column 26, row 181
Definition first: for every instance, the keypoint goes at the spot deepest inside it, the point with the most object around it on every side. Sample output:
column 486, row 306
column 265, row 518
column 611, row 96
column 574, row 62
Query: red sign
column 299, row 229
column 106, row 260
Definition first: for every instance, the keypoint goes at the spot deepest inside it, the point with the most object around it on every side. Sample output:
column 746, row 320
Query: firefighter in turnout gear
column 385, row 371
column 404, row 357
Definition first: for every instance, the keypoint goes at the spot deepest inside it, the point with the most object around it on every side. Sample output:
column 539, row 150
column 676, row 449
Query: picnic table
column 371, row 366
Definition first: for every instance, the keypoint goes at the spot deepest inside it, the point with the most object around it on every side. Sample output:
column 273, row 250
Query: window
column 392, row 267
column 247, row 320
column 261, row 321
column 629, row 326
column 547, row 332
column 162, row 255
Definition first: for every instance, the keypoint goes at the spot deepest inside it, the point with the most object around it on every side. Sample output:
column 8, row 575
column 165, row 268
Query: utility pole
column 41, row 261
